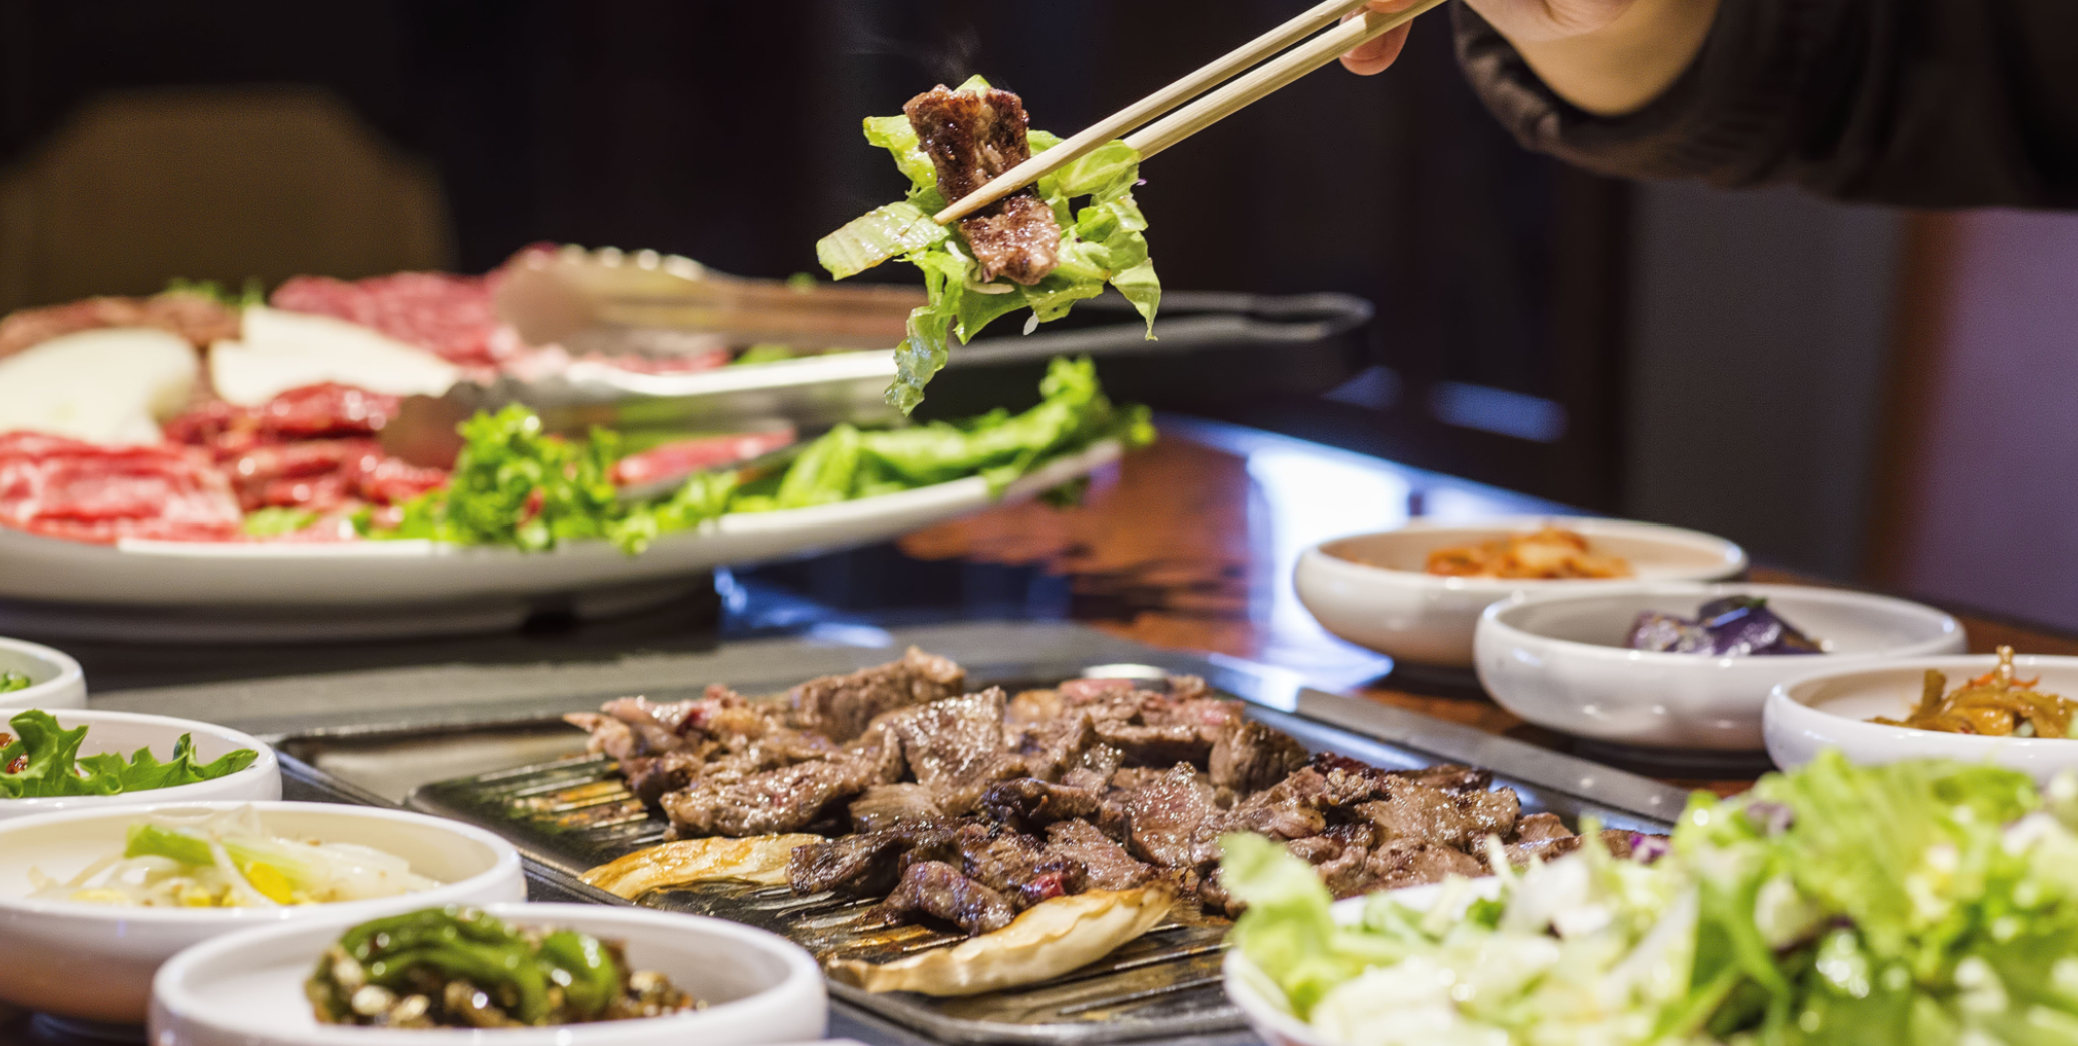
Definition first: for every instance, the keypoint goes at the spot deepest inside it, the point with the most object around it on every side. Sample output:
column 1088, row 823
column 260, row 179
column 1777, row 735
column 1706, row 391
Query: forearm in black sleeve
column 1919, row 102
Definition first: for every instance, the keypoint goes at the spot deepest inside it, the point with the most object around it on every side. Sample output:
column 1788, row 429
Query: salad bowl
column 1832, row 709
column 95, row 962
column 122, row 733
column 1374, row 590
column 247, row 988
column 1557, row 659
column 55, row 679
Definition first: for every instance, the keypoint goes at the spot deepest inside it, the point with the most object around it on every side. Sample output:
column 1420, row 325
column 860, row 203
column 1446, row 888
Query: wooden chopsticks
column 1211, row 108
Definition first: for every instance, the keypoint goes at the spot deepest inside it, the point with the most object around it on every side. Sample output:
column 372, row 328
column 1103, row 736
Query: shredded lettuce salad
column 49, row 763
column 514, row 484
column 1919, row 904
column 1102, row 242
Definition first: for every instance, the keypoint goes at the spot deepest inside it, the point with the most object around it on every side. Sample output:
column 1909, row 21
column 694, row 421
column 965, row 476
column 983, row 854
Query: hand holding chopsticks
column 1210, row 108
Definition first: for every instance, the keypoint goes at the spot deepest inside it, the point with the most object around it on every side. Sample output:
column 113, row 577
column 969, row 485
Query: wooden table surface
column 1185, row 546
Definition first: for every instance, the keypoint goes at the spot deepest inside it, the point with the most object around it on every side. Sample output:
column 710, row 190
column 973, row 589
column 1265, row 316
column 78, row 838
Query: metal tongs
column 608, row 304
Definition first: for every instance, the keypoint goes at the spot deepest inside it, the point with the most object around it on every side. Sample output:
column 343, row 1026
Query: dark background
column 728, row 132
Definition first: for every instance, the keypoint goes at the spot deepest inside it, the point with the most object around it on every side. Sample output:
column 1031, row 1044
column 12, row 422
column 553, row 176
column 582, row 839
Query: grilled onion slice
column 1046, row 940
column 759, row 859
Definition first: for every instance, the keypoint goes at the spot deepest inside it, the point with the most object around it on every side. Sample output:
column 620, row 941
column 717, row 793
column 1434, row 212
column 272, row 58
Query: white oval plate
column 247, row 989
column 136, row 573
column 123, row 733
column 95, row 962
column 1832, row 708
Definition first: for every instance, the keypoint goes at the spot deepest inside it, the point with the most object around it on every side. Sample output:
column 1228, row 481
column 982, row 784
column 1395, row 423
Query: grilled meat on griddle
column 966, row 808
column 971, row 137
column 938, row 891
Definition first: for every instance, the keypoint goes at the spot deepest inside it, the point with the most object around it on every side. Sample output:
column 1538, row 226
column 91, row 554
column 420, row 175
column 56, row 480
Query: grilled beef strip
column 1463, row 820
column 1105, row 863
column 1029, row 804
column 1251, row 757
column 868, row 864
column 894, row 805
column 1164, row 821
column 936, row 890
column 955, row 747
column 971, row 137
column 840, row 707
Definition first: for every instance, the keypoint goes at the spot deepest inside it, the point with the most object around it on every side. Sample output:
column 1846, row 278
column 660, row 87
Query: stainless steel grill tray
column 573, row 814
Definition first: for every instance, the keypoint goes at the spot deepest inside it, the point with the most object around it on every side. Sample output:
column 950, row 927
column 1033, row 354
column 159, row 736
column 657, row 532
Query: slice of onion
column 760, row 859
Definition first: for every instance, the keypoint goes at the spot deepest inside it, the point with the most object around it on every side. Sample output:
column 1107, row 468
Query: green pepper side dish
column 462, row 968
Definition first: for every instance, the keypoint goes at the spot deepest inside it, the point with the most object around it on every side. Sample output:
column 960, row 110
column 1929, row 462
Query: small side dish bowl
column 1831, row 709
column 124, row 733
column 247, row 988
column 1375, row 591
column 95, row 962
column 1557, row 659
column 55, row 680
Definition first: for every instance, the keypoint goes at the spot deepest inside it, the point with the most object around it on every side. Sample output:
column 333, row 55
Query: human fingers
column 1374, row 56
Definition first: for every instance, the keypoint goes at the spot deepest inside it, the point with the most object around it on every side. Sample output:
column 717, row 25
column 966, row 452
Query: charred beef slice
column 1463, row 820
column 1029, row 804
column 893, row 805
column 839, row 707
column 1249, row 757
column 1106, row 865
column 1164, row 819
column 971, row 137
column 954, row 747
column 867, row 864
column 936, row 890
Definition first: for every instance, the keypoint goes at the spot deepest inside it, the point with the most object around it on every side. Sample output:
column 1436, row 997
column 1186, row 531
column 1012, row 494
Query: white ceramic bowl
column 1390, row 603
column 95, row 962
column 1558, row 660
column 55, row 680
column 247, row 989
column 1831, row 709
column 126, row 732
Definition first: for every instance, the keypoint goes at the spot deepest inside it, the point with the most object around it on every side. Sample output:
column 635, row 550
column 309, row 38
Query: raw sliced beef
column 72, row 489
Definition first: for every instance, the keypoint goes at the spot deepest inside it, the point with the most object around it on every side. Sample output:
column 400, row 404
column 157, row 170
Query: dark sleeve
column 1917, row 102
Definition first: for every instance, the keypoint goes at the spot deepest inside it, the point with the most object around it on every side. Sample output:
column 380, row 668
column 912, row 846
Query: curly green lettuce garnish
column 50, row 765
column 1102, row 242
column 845, row 464
column 13, row 681
column 253, row 292
column 516, row 485
column 275, row 521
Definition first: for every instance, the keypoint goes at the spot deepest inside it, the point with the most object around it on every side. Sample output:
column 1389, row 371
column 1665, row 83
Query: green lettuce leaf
column 274, row 521
column 51, row 765
column 514, row 485
column 1102, row 243
column 12, row 681
column 1288, row 930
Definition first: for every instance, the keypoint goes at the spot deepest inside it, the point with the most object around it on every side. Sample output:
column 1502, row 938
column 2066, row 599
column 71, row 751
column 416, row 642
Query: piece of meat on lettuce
column 1101, row 242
